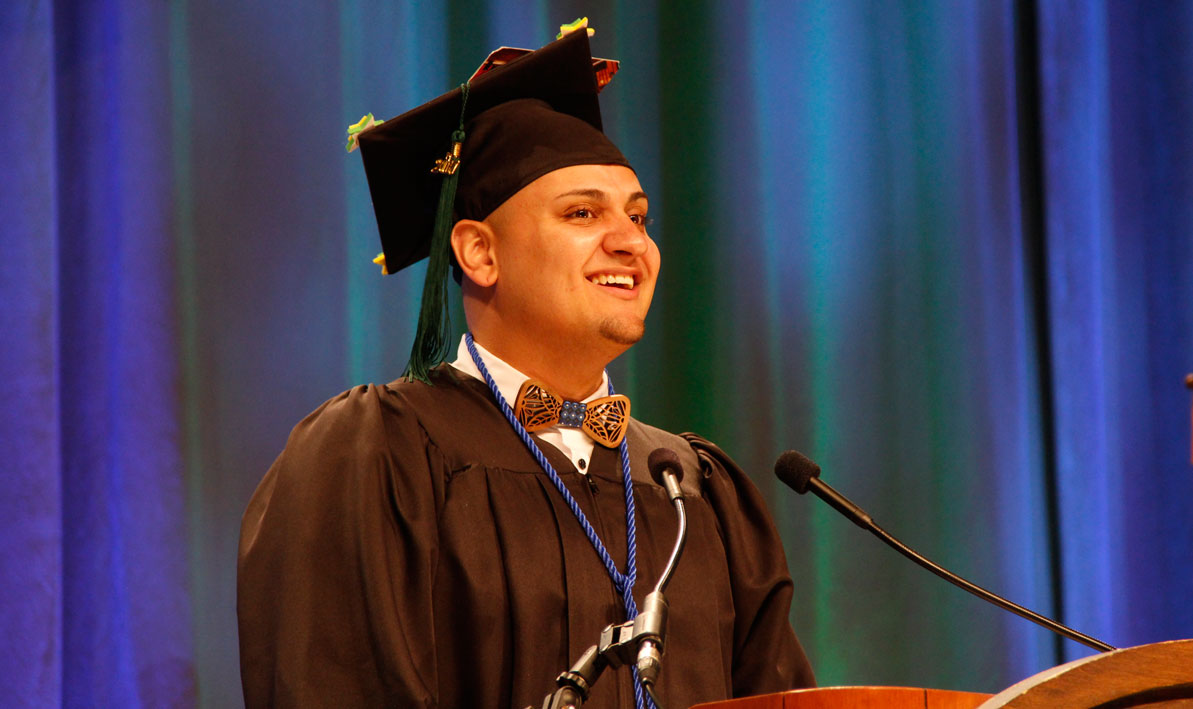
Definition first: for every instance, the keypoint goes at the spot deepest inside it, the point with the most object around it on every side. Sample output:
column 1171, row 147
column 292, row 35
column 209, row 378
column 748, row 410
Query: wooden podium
column 856, row 698
column 1152, row 676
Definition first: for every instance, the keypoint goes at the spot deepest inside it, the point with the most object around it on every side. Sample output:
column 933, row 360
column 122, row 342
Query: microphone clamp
column 637, row 642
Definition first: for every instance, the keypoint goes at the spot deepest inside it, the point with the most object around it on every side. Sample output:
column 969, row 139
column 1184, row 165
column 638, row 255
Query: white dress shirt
column 573, row 442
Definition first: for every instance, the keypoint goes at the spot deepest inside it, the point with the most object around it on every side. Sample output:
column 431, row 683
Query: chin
column 621, row 331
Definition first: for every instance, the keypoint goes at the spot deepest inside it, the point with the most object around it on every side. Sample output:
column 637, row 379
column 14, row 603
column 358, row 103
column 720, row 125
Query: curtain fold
column 1117, row 161
column 887, row 233
column 30, row 439
column 96, row 539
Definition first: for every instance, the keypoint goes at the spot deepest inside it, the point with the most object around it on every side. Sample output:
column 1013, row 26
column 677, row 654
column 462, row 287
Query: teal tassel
column 432, row 340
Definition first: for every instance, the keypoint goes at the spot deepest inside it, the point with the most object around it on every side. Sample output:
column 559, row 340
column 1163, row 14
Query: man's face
column 576, row 267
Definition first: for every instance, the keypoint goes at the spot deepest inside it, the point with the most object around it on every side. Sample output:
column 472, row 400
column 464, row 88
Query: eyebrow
column 593, row 193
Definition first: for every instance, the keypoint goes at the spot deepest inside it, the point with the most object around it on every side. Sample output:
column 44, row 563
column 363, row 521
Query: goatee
column 622, row 331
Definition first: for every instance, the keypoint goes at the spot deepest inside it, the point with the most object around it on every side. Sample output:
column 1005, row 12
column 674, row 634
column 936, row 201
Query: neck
column 570, row 374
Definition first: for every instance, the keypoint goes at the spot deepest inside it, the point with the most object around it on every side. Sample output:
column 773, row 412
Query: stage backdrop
column 943, row 248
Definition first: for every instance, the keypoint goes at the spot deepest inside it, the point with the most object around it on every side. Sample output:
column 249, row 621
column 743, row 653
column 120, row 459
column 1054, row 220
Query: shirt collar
column 509, row 380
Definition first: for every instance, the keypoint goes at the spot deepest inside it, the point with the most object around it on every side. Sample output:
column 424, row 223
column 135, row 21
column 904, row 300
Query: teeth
column 605, row 279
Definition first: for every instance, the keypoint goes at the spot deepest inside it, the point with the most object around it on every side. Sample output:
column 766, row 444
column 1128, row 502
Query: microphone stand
column 637, row 642
column 802, row 475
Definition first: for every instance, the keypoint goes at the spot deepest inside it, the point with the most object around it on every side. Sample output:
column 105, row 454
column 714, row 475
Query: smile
column 616, row 280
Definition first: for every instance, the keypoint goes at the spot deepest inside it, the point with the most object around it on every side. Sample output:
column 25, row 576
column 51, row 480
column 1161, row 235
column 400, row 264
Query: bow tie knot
column 604, row 419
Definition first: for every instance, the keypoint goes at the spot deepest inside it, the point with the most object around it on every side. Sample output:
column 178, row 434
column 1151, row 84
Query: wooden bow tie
column 605, row 419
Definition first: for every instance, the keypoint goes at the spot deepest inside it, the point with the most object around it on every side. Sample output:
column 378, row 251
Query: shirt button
column 583, row 465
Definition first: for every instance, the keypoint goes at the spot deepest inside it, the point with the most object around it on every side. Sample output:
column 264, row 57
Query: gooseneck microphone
column 801, row 474
column 666, row 470
column 638, row 641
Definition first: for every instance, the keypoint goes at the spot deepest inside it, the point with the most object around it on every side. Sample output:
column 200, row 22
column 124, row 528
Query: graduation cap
column 460, row 156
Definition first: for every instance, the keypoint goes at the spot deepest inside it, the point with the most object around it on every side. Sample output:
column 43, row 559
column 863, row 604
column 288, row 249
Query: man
column 415, row 544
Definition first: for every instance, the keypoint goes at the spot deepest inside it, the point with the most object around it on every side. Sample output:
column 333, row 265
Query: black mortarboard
column 518, row 120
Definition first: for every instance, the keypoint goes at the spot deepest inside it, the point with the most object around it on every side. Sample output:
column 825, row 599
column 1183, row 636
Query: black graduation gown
column 406, row 550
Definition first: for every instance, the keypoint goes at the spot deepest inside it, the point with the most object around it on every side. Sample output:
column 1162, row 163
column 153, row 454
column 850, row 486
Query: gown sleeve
column 337, row 554
column 767, row 657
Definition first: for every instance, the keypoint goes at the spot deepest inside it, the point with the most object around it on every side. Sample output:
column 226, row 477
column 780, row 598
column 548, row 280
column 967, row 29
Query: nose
column 626, row 237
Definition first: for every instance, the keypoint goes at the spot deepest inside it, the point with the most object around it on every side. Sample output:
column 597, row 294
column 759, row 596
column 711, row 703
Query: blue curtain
column 95, row 558
column 942, row 247
column 1116, row 109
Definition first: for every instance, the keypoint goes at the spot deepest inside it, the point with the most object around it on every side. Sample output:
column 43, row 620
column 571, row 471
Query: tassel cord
column 432, row 339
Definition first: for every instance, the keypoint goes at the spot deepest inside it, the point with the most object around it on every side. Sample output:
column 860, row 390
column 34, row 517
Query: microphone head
column 796, row 469
column 662, row 459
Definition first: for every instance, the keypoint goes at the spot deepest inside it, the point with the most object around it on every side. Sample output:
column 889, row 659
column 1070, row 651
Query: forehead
column 615, row 183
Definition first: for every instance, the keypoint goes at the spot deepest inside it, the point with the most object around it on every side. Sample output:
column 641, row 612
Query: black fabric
column 398, row 154
column 406, row 550
column 511, row 145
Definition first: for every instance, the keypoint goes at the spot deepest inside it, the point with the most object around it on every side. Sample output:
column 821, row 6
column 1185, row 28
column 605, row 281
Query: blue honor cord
column 624, row 583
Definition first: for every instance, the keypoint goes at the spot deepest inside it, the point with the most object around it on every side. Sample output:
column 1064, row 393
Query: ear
column 472, row 243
